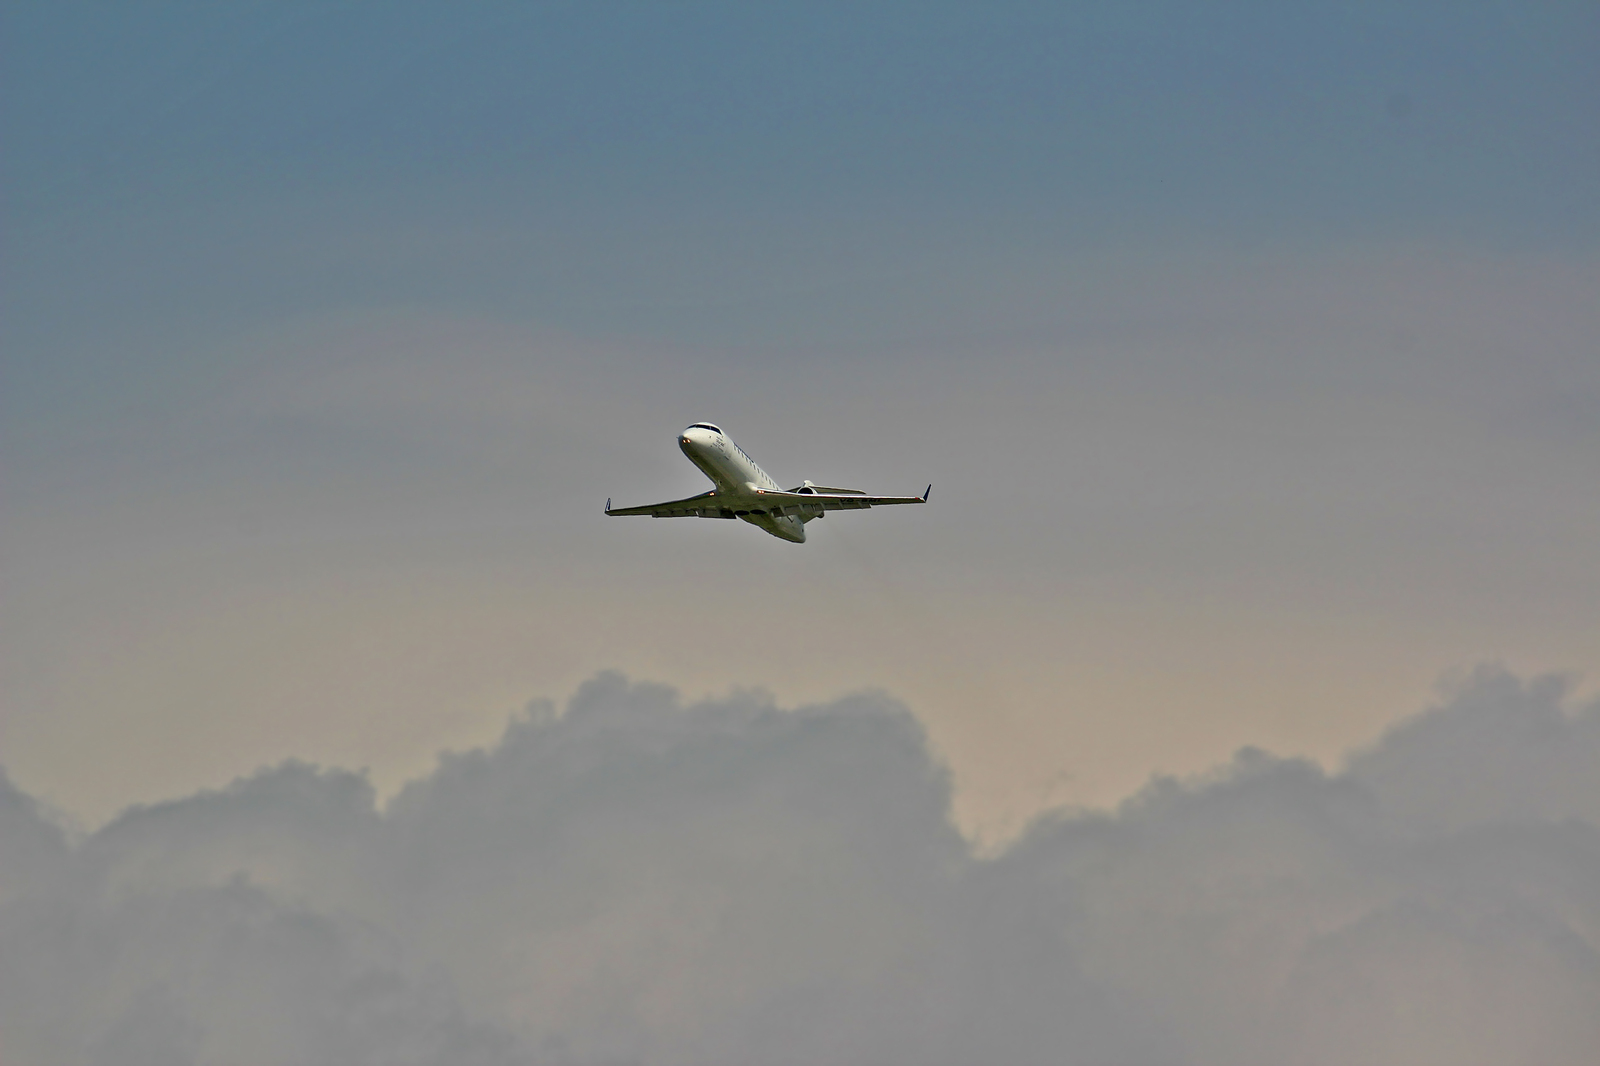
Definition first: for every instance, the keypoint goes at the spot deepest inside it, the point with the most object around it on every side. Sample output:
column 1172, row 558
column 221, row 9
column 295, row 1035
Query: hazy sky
column 1251, row 350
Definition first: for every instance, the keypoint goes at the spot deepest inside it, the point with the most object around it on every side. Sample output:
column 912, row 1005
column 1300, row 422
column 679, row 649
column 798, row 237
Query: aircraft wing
column 770, row 501
column 705, row 505
column 832, row 500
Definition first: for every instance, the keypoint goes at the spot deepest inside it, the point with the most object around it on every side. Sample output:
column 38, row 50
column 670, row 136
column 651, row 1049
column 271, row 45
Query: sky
column 1251, row 351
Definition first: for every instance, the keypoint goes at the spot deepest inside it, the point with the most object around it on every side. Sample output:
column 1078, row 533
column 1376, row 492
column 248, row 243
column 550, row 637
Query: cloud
column 636, row 880
column 1501, row 751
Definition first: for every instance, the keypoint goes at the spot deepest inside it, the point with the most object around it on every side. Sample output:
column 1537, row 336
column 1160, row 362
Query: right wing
column 813, row 499
column 705, row 505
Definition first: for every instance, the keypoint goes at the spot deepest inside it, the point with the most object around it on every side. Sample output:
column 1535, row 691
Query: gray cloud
column 635, row 880
column 1501, row 751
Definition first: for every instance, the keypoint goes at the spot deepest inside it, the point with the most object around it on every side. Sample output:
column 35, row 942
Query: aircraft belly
column 785, row 527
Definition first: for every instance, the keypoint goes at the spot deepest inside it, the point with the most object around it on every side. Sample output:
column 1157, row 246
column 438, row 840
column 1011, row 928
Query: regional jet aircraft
column 744, row 490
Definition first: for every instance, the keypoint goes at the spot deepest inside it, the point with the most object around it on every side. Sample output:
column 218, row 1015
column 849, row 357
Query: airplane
column 744, row 490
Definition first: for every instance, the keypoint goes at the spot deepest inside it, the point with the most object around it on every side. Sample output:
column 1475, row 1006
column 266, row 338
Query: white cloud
column 634, row 880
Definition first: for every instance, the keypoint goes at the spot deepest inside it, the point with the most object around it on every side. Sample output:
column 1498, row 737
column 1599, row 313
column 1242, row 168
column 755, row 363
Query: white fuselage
column 737, row 476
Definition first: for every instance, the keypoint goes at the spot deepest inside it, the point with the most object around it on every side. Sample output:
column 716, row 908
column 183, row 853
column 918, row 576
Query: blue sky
column 645, row 138
column 1467, row 117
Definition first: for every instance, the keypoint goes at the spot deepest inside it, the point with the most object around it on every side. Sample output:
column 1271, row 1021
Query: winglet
column 925, row 493
column 608, row 502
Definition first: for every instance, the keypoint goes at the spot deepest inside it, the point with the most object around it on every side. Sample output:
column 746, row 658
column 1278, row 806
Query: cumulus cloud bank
column 635, row 880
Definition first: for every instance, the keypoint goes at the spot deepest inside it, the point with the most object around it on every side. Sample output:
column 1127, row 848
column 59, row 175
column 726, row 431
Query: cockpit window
column 706, row 425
